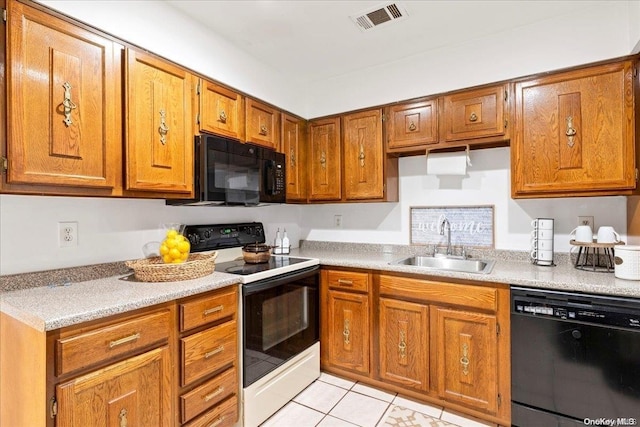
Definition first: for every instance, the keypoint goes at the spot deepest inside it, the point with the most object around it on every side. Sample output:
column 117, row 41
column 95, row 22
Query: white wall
column 108, row 229
column 487, row 183
column 586, row 35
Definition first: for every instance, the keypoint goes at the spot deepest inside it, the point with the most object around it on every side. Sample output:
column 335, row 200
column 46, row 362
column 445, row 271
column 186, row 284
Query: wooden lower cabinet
column 444, row 343
column 134, row 392
column 404, row 343
column 467, row 362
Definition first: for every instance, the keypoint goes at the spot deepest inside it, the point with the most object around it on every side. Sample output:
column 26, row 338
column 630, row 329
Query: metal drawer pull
column 213, row 310
column 263, row 130
column 402, row 345
column 123, row 417
column 210, row 396
column 464, row 360
column 68, row 104
column 217, row 422
column 361, row 156
column 571, row 132
column 473, row 117
column 124, row 340
column 346, row 332
column 214, row 352
column 293, row 158
column 345, row 282
column 163, row 129
column 223, row 117
column 323, row 160
column 412, row 126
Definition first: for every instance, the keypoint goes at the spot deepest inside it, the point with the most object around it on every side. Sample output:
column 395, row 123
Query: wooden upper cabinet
column 574, row 133
column 263, row 124
column 363, row 155
column 412, row 126
column 294, row 147
column 63, row 103
column 325, row 160
column 474, row 114
column 159, row 137
column 221, row 110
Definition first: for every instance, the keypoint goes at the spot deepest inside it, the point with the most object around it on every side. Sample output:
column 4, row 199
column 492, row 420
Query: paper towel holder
column 467, row 150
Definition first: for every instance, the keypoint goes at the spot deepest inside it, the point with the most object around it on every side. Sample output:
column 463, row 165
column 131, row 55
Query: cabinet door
column 294, row 147
column 64, row 109
column 325, row 160
column 349, row 331
column 221, row 110
column 404, row 343
column 159, row 128
column 412, row 126
column 474, row 114
column 363, row 155
column 263, row 124
column 575, row 132
column 135, row 392
column 466, row 357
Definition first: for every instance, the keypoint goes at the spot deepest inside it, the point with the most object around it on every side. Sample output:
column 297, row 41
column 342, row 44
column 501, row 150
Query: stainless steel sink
column 448, row 264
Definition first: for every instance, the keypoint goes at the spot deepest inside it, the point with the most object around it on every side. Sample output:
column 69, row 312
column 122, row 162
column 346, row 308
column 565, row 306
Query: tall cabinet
column 325, row 160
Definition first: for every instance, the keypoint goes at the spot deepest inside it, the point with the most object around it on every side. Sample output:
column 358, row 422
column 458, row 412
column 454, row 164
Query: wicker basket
column 155, row 270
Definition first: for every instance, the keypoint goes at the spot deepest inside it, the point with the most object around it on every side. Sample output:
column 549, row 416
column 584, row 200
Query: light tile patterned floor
column 335, row 402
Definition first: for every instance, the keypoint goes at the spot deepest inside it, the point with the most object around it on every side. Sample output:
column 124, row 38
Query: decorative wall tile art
column 471, row 226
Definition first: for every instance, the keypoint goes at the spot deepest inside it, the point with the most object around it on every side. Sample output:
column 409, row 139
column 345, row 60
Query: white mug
column 544, row 245
column 542, row 234
column 607, row 234
column 542, row 255
column 582, row 233
column 542, row 223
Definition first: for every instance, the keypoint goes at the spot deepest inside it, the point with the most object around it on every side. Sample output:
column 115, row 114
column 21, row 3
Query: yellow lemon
column 185, row 256
column 167, row 258
column 164, row 249
column 177, row 261
column 184, row 246
column 170, row 242
column 171, row 234
column 174, row 253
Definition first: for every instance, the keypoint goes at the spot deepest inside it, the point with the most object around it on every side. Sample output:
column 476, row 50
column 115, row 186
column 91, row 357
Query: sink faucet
column 444, row 223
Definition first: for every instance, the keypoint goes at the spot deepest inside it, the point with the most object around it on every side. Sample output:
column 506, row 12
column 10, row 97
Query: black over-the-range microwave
column 228, row 172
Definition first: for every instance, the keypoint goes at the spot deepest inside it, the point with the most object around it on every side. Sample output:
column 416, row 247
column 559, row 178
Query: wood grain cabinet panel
column 404, row 343
column 262, row 124
column 575, row 133
column 223, row 415
column 412, row 126
column 221, row 110
column 134, row 392
column 352, row 281
column 467, row 362
column 205, row 352
column 64, row 109
column 325, row 160
column 474, row 114
column 348, row 331
column 363, row 155
column 209, row 394
column 159, row 137
column 204, row 310
column 294, row 147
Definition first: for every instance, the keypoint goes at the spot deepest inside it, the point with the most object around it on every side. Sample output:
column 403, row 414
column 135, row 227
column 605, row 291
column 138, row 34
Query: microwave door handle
column 270, row 172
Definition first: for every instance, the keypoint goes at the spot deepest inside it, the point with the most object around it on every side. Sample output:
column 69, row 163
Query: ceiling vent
column 379, row 16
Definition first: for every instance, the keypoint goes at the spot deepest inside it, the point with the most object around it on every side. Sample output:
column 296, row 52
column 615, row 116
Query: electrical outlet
column 337, row 221
column 586, row 220
column 67, row 234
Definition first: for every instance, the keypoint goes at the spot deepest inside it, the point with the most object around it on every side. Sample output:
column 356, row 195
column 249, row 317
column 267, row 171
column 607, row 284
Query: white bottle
column 278, row 244
column 285, row 243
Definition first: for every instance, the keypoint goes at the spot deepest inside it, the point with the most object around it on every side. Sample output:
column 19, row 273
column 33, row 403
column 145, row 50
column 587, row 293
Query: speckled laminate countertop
column 51, row 307
column 47, row 308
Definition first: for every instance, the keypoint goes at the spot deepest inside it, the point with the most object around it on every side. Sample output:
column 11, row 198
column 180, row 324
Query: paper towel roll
column 454, row 163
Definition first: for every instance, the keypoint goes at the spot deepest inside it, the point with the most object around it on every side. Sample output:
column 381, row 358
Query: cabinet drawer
column 106, row 343
column 348, row 280
column 208, row 351
column 209, row 309
column 223, row 415
column 209, row 394
column 484, row 298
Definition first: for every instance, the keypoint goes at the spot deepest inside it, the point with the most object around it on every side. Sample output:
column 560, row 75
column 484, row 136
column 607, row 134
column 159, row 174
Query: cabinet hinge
column 635, row 70
column 198, row 87
column 506, row 122
column 198, row 118
column 497, row 328
column 506, row 95
column 4, row 165
column 4, row 15
column 53, row 407
column 499, row 399
column 384, row 117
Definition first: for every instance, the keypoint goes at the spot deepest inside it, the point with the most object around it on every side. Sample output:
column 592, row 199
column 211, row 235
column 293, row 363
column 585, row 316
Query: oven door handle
column 262, row 285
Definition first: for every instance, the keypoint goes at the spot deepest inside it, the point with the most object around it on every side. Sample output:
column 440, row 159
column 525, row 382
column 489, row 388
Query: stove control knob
column 207, row 234
column 194, row 239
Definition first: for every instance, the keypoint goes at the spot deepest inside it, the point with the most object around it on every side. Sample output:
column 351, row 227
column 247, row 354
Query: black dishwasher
column 575, row 359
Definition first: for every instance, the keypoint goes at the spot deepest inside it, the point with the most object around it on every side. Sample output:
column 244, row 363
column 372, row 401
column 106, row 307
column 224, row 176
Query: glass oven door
column 280, row 320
